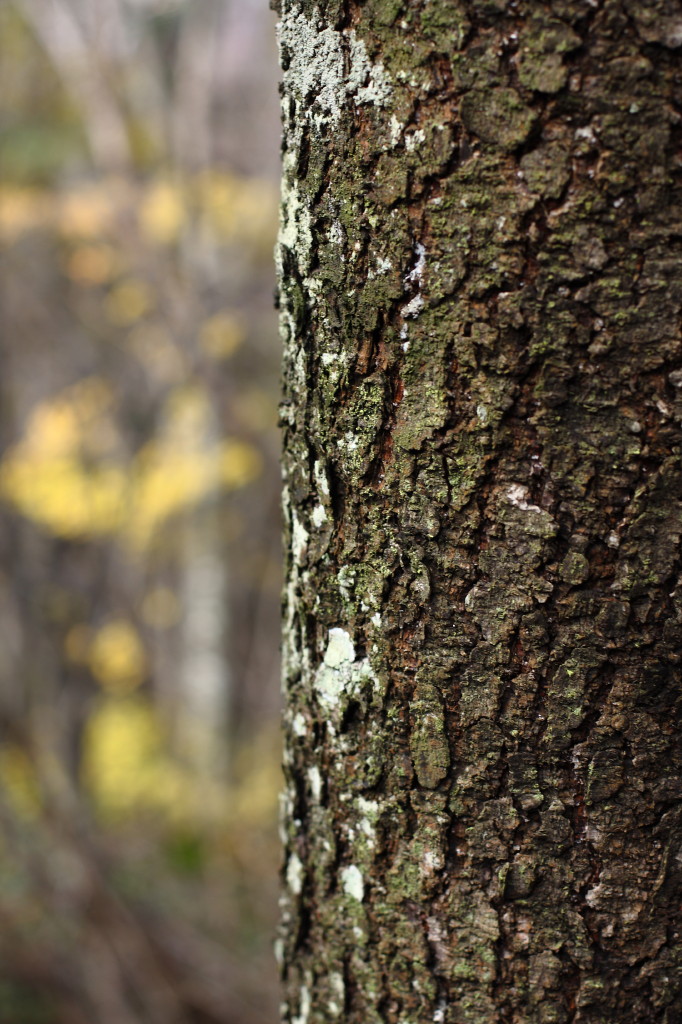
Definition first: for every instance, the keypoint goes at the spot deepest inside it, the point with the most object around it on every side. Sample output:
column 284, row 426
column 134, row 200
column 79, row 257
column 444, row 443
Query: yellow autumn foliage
column 88, row 211
column 156, row 351
column 68, row 473
column 221, row 335
column 80, row 414
column 237, row 209
column 22, row 210
column 240, row 463
column 227, row 206
column 126, row 766
column 188, row 416
column 160, row 608
column 19, row 781
column 253, row 796
column 117, row 657
column 92, row 264
column 60, row 495
column 167, row 481
column 224, row 206
column 128, row 769
column 163, row 211
column 128, row 302
column 77, row 643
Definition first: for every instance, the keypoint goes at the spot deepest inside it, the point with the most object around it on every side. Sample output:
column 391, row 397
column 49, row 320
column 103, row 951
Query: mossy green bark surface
column 481, row 291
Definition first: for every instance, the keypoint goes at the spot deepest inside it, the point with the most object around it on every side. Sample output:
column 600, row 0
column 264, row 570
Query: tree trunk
column 481, row 287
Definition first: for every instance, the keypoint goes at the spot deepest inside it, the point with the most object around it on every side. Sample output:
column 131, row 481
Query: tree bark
column 481, row 287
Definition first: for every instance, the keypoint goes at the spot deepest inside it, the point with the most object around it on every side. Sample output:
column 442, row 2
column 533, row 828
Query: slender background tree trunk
column 481, row 286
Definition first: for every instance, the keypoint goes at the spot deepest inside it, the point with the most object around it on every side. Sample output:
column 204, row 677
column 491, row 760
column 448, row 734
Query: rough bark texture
column 481, row 288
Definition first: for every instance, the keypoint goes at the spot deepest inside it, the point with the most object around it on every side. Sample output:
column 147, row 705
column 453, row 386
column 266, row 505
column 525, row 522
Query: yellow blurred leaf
column 155, row 350
column 218, row 196
column 87, row 212
column 92, row 264
column 238, row 209
column 90, row 395
column 255, row 409
column 240, row 463
column 128, row 302
column 22, row 210
column 160, row 608
column 77, row 643
column 69, row 474
column 254, row 793
column 126, row 765
column 117, row 657
column 61, row 474
column 128, row 769
column 167, row 482
column 77, row 416
column 162, row 212
column 255, row 216
column 19, row 780
column 221, row 335
column 122, row 746
column 54, row 429
column 188, row 418
column 63, row 496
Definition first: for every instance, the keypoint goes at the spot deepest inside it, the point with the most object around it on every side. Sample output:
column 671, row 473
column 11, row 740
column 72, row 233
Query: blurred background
column 139, row 494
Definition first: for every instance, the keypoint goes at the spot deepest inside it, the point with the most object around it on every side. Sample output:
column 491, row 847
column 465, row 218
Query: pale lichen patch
column 299, row 538
column 416, row 274
column 368, row 82
column 415, row 139
column 340, row 675
column 294, row 874
column 338, row 989
column 303, row 1007
column 319, row 516
column 327, row 68
column 415, row 277
column 350, row 442
column 315, row 780
column 321, row 479
column 413, row 307
column 299, row 725
column 518, row 496
column 369, row 810
column 346, row 579
column 295, row 231
column 340, row 649
column 396, row 129
column 352, row 882
column 337, row 235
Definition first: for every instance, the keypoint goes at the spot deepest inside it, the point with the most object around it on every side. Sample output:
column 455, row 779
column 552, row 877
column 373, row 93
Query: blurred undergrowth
column 139, row 581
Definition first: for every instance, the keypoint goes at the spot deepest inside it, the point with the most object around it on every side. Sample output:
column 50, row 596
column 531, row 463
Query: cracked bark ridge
column 480, row 288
